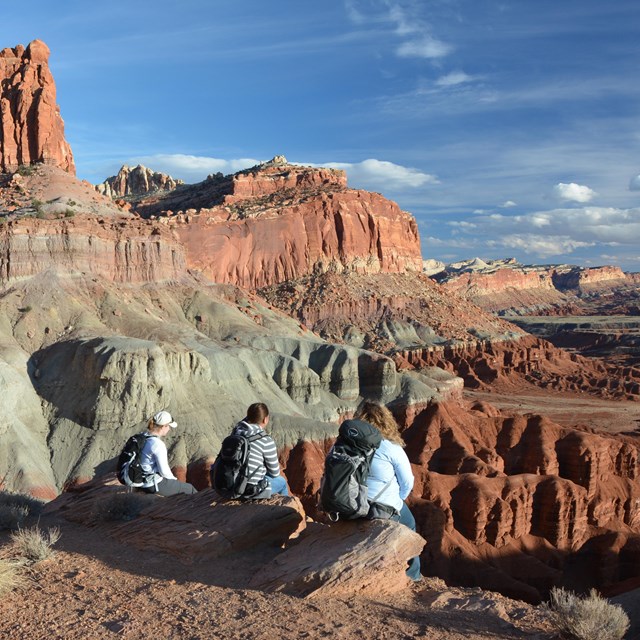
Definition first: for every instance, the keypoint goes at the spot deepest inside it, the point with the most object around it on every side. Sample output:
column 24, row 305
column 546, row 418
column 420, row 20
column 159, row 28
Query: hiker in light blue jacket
column 390, row 476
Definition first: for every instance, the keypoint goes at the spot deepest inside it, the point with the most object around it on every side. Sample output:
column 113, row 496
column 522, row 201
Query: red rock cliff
column 31, row 129
column 279, row 222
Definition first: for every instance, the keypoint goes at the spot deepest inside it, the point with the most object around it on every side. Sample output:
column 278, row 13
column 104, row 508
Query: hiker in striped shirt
column 263, row 469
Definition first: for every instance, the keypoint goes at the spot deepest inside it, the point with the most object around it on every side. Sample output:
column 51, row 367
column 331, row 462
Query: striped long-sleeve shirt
column 263, row 455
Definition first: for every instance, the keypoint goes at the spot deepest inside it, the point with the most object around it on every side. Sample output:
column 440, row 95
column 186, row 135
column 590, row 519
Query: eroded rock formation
column 511, row 503
column 278, row 222
column 135, row 182
column 31, row 129
column 118, row 249
column 528, row 359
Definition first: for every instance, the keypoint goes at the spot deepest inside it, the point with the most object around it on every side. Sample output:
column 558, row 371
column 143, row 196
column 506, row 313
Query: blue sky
column 506, row 128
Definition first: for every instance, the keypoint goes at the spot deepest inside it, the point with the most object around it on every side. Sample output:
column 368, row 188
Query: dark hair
column 257, row 413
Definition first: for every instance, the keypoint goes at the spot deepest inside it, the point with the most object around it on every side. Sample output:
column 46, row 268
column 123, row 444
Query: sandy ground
column 96, row 588
column 567, row 409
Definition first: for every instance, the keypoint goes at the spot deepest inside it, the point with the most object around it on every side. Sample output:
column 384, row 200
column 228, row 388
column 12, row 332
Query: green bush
column 586, row 618
column 69, row 213
column 15, row 507
column 35, row 545
column 25, row 169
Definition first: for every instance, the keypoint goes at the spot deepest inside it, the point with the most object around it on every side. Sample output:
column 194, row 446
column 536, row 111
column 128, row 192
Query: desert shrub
column 124, row 506
column 15, row 507
column 34, row 544
column 586, row 618
column 9, row 575
column 25, row 169
column 69, row 213
column 72, row 203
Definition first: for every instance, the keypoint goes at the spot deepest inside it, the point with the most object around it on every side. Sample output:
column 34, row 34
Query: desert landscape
column 516, row 388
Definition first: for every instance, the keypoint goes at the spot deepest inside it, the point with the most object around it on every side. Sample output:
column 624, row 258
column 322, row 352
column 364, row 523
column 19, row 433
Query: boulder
column 343, row 559
column 191, row 528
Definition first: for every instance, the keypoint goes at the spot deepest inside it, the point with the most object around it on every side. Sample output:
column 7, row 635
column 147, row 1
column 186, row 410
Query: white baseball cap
column 163, row 418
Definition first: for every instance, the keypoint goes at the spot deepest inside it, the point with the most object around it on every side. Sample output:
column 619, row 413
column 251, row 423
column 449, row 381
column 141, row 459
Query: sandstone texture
column 510, row 288
column 342, row 560
column 115, row 248
column 191, row 528
column 528, row 360
column 386, row 311
column 514, row 503
column 135, row 182
column 97, row 587
column 278, row 222
column 31, row 129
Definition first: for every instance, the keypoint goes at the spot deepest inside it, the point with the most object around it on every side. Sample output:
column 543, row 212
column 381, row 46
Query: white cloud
column 541, row 246
column 193, row 168
column 380, row 175
column 634, row 185
column 453, row 78
column 426, row 47
column 565, row 230
column 573, row 192
column 508, row 204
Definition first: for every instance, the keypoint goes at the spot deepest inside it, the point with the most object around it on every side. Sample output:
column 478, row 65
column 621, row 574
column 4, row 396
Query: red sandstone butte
column 280, row 222
column 31, row 128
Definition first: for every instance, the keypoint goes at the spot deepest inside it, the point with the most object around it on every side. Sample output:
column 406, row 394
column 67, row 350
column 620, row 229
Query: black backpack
column 229, row 471
column 343, row 491
column 130, row 472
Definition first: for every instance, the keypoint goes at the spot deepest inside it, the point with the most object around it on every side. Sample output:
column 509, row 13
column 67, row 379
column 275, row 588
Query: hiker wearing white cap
column 154, row 460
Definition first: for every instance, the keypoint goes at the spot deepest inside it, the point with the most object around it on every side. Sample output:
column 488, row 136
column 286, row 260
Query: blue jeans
column 406, row 518
column 279, row 485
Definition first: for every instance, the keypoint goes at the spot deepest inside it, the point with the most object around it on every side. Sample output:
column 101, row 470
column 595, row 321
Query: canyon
column 282, row 284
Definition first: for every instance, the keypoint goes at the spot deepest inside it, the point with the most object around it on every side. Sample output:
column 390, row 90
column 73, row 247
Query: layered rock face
column 135, row 182
column 120, row 250
column 279, row 222
column 507, row 287
column 96, row 358
column 31, row 129
column 582, row 279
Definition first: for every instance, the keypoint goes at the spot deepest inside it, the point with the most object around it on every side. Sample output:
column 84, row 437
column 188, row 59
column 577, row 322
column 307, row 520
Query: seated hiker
column 390, row 476
column 154, row 461
column 247, row 465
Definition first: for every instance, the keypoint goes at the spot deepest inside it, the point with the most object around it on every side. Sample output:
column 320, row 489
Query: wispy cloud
column 540, row 246
column 573, row 192
column 508, row 204
column 565, row 230
column 383, row 175
column 424, row 47
column 634, row 185
column 454, row 78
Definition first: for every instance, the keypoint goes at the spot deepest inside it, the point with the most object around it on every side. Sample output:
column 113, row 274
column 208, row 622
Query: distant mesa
column 31, row 128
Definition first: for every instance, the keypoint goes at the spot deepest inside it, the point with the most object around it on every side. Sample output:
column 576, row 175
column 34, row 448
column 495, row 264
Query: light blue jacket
column 390, row 463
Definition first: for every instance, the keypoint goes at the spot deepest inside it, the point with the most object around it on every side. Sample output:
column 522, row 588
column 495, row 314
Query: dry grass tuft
column 34, row 544
column 9, row 576
column 586, row 618
column 14, row 509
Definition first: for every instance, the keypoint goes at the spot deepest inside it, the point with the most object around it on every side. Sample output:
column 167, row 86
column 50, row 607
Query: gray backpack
column 343, row 491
